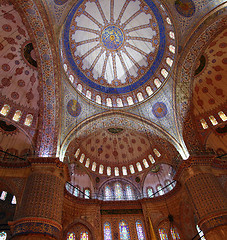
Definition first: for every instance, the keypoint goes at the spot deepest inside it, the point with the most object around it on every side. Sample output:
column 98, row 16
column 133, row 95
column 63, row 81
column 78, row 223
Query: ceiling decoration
column 118, row 53
column 186, row 8
column 210, row 71
column 73, row 108
column 19, row 76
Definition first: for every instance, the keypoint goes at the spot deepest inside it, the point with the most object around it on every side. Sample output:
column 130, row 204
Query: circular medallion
column 112, row 37
column 73, row 108
column 115, row 49
column 159, row 109
column 186, row 8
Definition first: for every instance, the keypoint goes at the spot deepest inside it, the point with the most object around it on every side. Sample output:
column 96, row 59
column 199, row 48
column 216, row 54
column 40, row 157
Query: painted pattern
column 111, row 48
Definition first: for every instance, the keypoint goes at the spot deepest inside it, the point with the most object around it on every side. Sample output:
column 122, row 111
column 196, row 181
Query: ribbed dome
column 118, row 53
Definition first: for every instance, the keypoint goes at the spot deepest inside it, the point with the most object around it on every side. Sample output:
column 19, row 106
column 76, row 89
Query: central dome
column 113, row 50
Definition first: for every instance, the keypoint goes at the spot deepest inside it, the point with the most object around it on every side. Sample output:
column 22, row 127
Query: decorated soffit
column 118, row 53
column 210, row 71
column 19, row 76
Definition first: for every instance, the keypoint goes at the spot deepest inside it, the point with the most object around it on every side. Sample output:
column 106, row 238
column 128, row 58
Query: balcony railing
column 80, row 194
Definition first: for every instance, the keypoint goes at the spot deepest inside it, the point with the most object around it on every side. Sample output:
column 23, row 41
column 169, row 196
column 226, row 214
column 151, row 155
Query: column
column 39, row 214
column 208, row 197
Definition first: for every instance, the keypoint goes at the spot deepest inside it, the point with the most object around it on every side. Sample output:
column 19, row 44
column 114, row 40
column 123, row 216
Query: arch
column 105, row 120
column 86, row 224
column 49, row 125
column 183, row 84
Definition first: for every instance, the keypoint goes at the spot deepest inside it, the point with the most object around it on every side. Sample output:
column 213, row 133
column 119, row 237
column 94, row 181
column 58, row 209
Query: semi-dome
column 118, row 53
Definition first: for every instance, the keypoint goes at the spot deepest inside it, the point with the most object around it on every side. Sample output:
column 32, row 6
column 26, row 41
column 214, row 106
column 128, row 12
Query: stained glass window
column 150, row 192
column 174, row 233
column 169, row 186
column 140, row 231
column 14, row 200
column 118, row 191
column 17, row 116
column 124, row 231
column 84, row 236
column 87, row 193
column 222, row 116
column 129, row 192
column 71, row 236
column 213, row 120
column 160, row 190
column 204, row 123
column 162, row 234
column 108, row 170
column 108, row 193
column 3, row 195
column 28, row 120
column 77, row 153
column 107, row 231
column 5, row 110
column 3, row 235
column 124, row 171
column 132, row 170
column 93, row 168
column 76, row 191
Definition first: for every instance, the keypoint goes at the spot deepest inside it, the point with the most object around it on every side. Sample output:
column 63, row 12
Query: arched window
column 116, row 171
column 83, row 236
column 87, row 163
column 87, row 193
column 124, row 171
column 222, row 116
column 129, row 192
column 174, row 233
column 157, row 82
column 71, row 236
column 130, row 101
column 76, row 191
column 213, row 120
column 88, row 94
column 14, row 200
column 79, row 87
column 172, row 49
column 132, row 170
column 17, row 116
column 151, row 159
column 150, row 192
column 101, row 168
column 118, row 192
column 77, row 153
column 157, row 153
column 145, row 163
column 201, row 234
column 3, row 195
column 28, row 120
column 140, row 231
column 5, row 109
column 160, row 190
column 139, row 166
column 169, row 186
column 169, row 61
column 109, row 102
column 119, row 102
column 108, row 193
column 71, row 78
column 107, row 231
column 149, row 90
column 93, row 168
column 164, row 73
column 124, row 231
column 98, row 99
column 3, row 235
column 108, row 171
column 82, row 158
column 171, row 34
column 204, row 123
column 140, row 96
column 168, row 21
column 162, row 234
